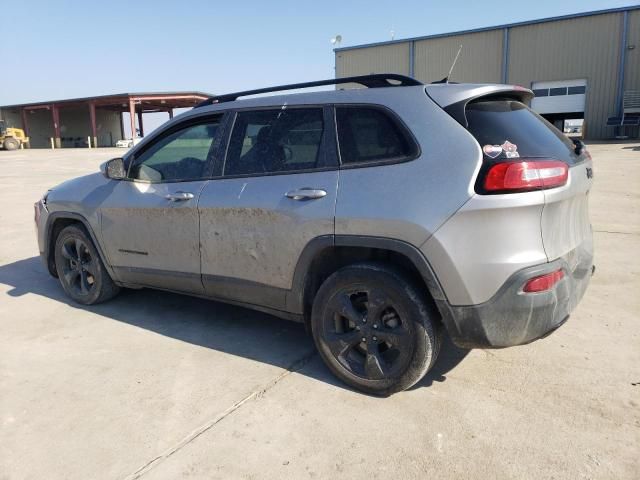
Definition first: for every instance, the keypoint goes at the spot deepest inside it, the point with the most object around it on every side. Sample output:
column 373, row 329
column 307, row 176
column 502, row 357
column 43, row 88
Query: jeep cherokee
column 378, row 216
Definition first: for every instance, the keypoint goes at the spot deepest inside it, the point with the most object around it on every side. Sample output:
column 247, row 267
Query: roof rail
column 370, row 81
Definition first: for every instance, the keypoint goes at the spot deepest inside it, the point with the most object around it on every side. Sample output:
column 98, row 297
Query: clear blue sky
column 67, row 49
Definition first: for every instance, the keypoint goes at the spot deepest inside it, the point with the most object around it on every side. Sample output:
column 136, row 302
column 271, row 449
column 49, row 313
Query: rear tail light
column 543, row 282
column 525, row 175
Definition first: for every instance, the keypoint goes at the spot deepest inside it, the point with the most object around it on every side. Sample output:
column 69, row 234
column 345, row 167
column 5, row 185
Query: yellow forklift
column 12, row 138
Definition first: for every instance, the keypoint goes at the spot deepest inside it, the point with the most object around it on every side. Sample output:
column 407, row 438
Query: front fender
column 52, row 227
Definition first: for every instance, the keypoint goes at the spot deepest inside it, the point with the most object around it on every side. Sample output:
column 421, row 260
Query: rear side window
column 506, row 128
column 369, row 134
column 277, row 140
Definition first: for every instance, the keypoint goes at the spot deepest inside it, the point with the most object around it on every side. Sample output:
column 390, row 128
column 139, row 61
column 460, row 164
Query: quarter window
column 369, row 135
column 181, row 155
column 272, row 141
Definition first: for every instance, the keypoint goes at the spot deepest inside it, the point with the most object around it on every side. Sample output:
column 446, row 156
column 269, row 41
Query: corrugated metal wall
column 108, row 123
column 632, row 74
column 74, row 122
column 40, row 129
column 12, row 118
column 480, row 59
column 382, row 59
column 585, row 47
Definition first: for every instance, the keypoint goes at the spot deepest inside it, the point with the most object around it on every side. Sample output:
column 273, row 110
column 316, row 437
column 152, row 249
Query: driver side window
column 181, row 155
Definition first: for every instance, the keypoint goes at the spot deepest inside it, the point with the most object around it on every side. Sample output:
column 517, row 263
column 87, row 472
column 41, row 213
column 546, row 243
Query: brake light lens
column 543, row 282
column 524, row 176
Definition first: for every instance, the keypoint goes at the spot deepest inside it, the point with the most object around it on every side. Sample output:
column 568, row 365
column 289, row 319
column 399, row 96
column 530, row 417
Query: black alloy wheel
column 374, row 329
column 366, row 333
column 79, row 268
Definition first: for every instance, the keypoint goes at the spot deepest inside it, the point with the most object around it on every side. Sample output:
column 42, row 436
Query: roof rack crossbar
column 370, row 81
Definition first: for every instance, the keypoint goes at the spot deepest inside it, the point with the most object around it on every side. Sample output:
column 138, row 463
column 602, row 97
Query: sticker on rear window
column 492, row 151
column 510, row 149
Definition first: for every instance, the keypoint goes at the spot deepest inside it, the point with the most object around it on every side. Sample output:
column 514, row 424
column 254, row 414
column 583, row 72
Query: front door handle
column 306, row 194
column 179, row 196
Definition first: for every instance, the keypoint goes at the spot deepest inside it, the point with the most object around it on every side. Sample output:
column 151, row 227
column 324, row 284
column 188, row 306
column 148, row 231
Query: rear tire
column 11, row 144
column 374, row 329
column 80, row 269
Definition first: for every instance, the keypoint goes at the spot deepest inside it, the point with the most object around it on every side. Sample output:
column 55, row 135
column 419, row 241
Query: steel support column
column 55, row 114
column 122, row 137
column 505, row 55
column 622, row 64
column 94, row 128
column 132, row 115
column 140, row 122
column 25, row 123
column 412, row 59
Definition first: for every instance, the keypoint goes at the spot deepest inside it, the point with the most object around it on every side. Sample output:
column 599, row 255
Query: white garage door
column 559, row 97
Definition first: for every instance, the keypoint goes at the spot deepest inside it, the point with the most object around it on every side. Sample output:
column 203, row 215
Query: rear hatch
column 523, row 152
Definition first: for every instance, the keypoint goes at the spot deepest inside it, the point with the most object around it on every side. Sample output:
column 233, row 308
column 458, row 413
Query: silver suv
column 377, row 216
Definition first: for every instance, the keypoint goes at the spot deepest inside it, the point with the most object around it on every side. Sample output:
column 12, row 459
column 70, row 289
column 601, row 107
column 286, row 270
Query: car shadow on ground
column 222, row 327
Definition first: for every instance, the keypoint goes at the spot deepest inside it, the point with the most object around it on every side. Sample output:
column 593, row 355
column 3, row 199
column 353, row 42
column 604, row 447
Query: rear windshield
column 506, row 128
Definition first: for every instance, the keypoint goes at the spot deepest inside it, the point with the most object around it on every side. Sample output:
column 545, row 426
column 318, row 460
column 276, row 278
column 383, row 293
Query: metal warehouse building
column 92, row 121
column 580, row 66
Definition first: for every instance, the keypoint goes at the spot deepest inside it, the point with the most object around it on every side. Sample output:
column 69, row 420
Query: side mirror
column 114, row 169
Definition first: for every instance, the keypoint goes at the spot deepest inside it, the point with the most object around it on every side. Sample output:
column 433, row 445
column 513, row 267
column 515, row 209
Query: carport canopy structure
column 132, row 103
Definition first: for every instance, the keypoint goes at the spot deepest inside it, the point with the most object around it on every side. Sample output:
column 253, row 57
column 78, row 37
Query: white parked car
column 128, row 143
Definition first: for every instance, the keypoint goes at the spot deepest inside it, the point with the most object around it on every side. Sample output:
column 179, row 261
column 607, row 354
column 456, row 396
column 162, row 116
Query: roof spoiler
column 455, row 98
column 370, row 81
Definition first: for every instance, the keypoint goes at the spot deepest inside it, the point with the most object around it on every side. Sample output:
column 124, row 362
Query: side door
column 277, row 193
column 150, row 222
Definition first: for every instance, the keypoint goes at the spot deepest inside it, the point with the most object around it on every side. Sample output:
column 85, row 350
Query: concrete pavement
column 155, row 385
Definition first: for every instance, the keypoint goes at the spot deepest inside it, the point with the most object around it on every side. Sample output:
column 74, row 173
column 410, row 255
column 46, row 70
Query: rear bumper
column 512, row 317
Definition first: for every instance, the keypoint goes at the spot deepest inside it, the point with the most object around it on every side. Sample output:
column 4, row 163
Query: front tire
column 373, row 329
column 11, row 144
column 80, row 269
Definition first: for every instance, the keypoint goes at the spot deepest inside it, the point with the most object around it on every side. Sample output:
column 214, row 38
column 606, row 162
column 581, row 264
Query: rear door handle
column 179, row 196
column 306, row 194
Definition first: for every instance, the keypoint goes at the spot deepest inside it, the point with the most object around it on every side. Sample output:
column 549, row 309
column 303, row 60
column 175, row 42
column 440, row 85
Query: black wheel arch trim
column 296, row 296
column 51, row 220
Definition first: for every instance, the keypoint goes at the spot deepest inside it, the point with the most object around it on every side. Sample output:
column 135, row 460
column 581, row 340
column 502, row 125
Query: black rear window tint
column 368, row 134
column 505, row 122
